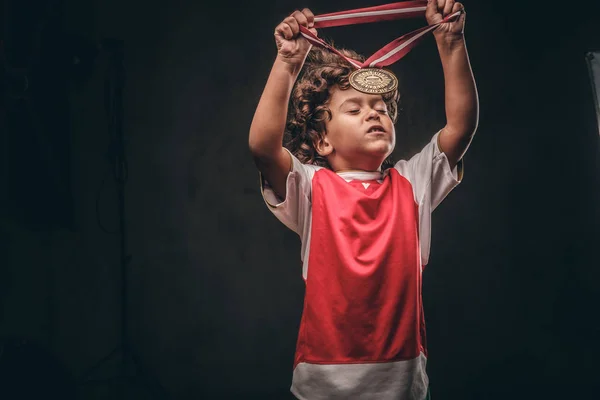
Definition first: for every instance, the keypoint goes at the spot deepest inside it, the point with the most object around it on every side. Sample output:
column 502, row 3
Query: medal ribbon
column 391, row 52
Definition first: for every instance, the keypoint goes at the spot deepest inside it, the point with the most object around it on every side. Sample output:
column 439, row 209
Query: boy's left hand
column 437, row 10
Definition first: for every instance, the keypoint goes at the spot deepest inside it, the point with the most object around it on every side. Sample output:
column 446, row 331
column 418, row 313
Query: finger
column 313, row 31
column 448, row 7
column 310, row 17
column 300, row 18
column 440, row 5
column 293, row 24
column 431, row 9
column 278, row 30
column 284, row 31
column 457, row 7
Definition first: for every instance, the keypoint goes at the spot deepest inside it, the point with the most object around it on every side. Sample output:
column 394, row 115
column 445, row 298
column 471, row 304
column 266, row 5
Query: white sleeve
column 432, row 180
column 430, row 175
column 294, row 210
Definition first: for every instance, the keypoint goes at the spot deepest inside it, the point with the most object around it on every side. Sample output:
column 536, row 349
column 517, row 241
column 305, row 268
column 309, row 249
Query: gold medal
column 373, row 80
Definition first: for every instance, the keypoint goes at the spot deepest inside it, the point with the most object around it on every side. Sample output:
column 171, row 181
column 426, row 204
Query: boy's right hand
column 292, row 47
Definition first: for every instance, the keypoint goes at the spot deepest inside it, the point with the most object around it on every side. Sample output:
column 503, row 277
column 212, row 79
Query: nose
column 373, row 114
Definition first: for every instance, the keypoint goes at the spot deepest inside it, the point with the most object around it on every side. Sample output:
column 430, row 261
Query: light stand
column 115, row 80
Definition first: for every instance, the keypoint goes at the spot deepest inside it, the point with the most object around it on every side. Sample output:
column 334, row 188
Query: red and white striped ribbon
column 391, row 52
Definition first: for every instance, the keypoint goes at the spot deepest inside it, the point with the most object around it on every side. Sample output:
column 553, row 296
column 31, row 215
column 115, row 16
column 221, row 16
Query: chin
column 382, row 151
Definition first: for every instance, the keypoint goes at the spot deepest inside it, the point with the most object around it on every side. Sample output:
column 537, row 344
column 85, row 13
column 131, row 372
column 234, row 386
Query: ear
column 324, row 147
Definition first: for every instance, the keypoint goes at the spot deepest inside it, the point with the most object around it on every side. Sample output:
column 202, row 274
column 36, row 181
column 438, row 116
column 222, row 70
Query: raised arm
column 266, row 132
column 462, row 104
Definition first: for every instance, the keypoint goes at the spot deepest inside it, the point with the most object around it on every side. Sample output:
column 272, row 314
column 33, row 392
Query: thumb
column 462, row 17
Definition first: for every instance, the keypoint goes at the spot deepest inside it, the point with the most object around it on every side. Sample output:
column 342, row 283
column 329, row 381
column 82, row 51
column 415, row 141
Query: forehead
column 338, row 96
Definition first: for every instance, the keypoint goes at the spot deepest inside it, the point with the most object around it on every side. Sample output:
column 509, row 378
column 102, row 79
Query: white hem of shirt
column 406, row 380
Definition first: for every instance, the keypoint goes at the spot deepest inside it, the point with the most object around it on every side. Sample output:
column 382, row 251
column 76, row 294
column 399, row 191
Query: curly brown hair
column 308, row 110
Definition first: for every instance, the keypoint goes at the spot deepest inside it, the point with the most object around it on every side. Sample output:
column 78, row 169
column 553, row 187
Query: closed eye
column 354, row 111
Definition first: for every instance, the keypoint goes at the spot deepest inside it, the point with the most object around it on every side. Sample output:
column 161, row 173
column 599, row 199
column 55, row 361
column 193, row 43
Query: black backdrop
column 511, row 290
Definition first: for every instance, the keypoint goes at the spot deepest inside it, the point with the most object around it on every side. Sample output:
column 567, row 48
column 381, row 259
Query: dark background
column 511, row 290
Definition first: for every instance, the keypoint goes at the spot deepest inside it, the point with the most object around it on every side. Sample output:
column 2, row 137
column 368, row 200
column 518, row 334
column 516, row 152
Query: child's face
column 360, row 134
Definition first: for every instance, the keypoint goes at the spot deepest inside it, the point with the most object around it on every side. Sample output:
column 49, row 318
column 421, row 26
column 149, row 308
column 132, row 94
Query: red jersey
column 365, row 240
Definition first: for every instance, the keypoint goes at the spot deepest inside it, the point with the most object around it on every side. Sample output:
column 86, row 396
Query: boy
column 364, row 229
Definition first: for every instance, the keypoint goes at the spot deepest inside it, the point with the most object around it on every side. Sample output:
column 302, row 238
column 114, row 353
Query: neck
column 365, row 165
column 355, row 170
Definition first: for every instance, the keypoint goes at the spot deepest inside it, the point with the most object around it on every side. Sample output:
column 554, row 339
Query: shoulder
column 302, row 169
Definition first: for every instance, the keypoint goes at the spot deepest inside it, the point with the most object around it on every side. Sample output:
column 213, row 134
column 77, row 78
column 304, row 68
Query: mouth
column 376, row 129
